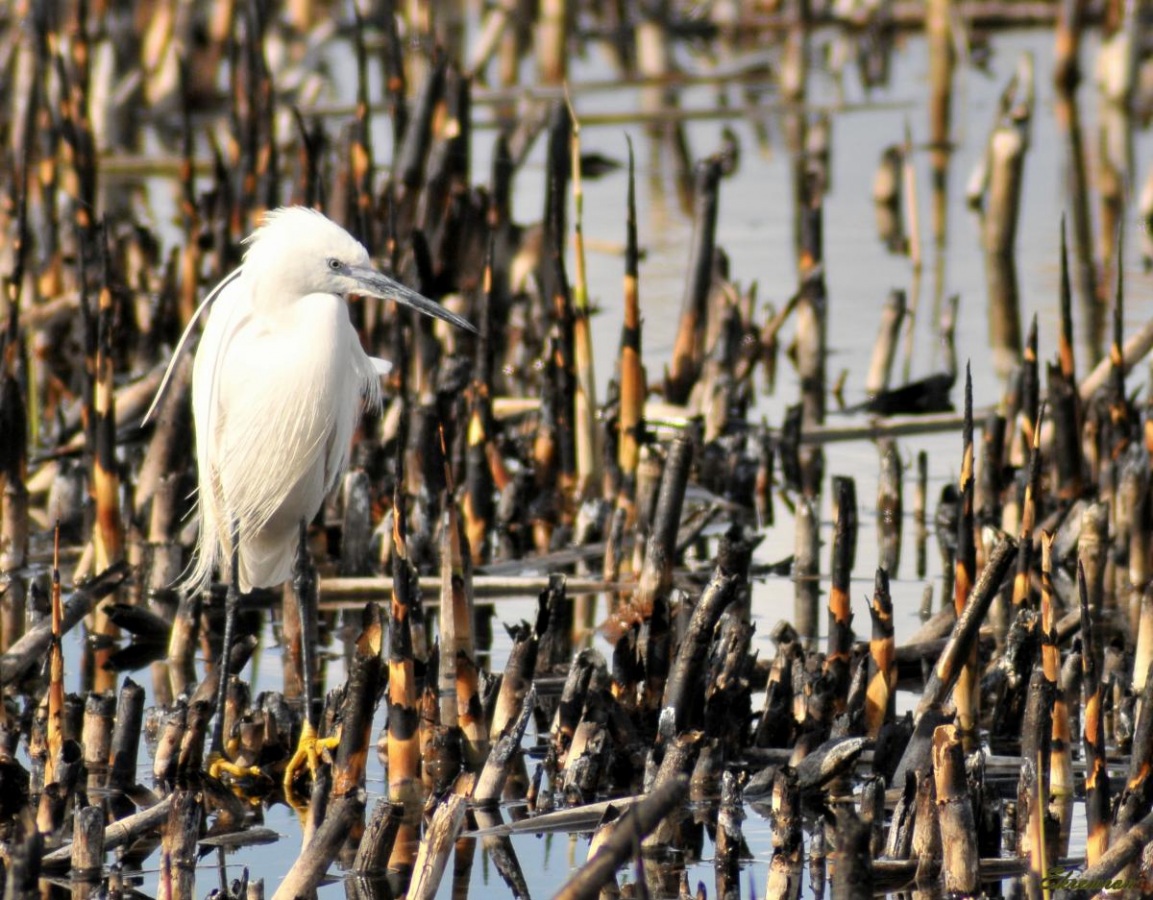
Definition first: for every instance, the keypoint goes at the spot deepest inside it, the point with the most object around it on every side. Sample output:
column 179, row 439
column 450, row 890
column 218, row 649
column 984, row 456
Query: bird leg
column 310, row 745
column 218, row 764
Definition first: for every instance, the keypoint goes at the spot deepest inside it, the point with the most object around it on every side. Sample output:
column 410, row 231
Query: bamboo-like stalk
column 552, row 36
column 942, row 57
column 55, row 699
column 1137, row 797
column 588, row 435
column 925, row 844
column 1061, row 761
column 966, row 694
column 631, row 370
column 1022, row 590
column 403, row 743
column 178, row 847
column 377, row 841
column 108, row 535
column 470, row 715
column 456, row 608
column 438, row 841
column 840, row 624
column 958, row 827
column 880, row 698
column 491, row 781
column 477, row 504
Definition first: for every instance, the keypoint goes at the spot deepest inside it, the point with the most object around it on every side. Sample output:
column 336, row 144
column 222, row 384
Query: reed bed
column 633, row 704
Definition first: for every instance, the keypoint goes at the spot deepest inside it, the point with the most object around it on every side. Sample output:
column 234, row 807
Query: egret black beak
column 373, row 284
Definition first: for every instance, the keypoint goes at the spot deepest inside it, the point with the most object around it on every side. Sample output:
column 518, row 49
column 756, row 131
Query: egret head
column 298, row 251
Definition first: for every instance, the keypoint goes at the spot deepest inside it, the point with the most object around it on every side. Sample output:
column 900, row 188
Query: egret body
column 279, row 382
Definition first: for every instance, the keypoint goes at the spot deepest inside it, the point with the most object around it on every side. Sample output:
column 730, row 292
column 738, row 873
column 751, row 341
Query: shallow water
column 755, row 229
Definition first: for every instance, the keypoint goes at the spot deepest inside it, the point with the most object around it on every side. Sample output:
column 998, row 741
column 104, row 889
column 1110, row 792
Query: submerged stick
column 641, row 819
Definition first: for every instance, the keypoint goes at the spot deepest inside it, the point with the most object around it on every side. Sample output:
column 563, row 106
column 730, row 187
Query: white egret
column 279, row 382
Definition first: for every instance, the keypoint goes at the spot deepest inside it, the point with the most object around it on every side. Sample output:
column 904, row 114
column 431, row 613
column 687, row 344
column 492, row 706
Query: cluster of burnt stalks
column 1044, row 644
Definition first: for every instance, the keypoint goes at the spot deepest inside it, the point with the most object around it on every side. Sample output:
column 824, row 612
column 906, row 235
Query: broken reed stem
column 490, row 783
column 87, row 850
column 655, row 582
column 403, row 743
column 588, row 435
column 360, row 698
column 438, row 841
column 311, row 866
column 683, row 687
column 178, row 847
column 56, row 673
column 688, row 349
column 880, row 696
column 456, row 609
column 837, row 657
column 1061, row 760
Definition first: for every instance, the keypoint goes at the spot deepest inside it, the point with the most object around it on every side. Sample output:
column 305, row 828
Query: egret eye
column 334, row 264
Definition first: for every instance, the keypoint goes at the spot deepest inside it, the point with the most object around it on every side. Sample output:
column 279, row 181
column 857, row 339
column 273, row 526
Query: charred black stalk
column 412, row 156
column 840, row 608
column 125, row 746
column 682, row 690
column 688, row 349
column 656, row 576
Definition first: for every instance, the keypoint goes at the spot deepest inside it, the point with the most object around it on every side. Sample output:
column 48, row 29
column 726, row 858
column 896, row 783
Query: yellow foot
column 307, row 751
column 218, row 765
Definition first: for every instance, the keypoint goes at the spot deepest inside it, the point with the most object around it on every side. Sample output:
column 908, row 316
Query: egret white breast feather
column 278, row 384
